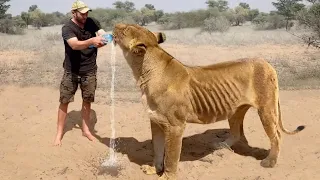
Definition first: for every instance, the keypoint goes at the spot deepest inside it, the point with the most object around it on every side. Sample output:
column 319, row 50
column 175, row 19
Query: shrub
column 108, row 17
column 9, row 25
column 216, row 24
column 310, row 20
column 269, row 22
column 277, row 22
column 53, row 36
column 126, row 19
column 260, row 21
column 181, row 20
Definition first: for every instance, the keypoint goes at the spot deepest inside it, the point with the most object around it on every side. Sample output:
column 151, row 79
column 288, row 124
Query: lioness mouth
column 115, row 42
column 115, row 39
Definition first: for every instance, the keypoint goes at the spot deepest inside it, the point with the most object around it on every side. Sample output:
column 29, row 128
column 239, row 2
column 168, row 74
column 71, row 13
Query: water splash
column 111, row 162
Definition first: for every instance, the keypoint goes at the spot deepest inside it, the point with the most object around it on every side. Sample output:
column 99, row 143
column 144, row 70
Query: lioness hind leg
column 269, row 121
column 236, row 128
column 158, row 151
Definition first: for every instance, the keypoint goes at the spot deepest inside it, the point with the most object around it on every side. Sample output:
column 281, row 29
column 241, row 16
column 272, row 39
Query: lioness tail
column 299, row 128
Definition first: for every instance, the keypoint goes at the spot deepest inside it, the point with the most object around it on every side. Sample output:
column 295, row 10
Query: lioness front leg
column 158, row 151
column 173, row 144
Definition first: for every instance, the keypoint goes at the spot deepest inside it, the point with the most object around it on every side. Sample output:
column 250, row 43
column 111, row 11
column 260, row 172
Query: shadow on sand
column 74, row 120
column 194, row 147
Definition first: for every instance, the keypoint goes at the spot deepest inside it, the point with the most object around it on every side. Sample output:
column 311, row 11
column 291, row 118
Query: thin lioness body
column 175, row 94
column 215, row 94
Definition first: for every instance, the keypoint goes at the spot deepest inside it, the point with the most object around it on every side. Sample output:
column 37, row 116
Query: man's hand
column 98, row 41
column 75, row 44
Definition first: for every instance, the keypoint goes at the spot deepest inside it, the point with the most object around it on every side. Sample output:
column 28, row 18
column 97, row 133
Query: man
column 79, row 65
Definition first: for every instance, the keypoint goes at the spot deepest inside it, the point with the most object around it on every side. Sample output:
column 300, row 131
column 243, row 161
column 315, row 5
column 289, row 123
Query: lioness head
column 136, row 39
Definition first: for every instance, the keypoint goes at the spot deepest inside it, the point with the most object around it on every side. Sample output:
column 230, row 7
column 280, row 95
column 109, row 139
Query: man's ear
column 161, row 37
column 137, row 48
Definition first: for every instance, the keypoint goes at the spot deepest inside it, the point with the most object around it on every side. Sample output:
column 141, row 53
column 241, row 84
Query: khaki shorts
column 69, row 85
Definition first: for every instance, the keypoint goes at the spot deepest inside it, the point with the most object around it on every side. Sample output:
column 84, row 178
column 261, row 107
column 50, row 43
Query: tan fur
column 176, row 94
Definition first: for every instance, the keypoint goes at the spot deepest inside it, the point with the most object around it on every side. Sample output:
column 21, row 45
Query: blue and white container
column 107, row 39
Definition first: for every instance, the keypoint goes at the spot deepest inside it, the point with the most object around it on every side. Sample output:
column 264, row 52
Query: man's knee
column 63, row 107
column 86, row 103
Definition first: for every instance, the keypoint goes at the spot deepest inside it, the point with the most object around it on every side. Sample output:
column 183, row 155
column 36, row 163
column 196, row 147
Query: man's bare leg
column 62, row 114
column 86, row 108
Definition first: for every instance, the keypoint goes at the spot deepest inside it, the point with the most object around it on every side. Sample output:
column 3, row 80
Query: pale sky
column 17, row 6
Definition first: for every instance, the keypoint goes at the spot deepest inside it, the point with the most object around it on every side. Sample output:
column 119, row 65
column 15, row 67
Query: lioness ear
column 161, row 37
column 138, row 48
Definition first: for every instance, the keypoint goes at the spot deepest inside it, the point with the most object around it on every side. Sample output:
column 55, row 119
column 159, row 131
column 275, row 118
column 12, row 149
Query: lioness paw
column 268, row 163
column 163, row 178
column 167, row 177
column 149, row 170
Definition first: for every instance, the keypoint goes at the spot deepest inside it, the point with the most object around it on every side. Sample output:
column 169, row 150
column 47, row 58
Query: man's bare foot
column 57, row 141
column 88, row 135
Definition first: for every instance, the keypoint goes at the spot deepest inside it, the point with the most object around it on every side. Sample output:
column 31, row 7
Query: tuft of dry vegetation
column 216, row 24
column 235, row 36
column 298, row 74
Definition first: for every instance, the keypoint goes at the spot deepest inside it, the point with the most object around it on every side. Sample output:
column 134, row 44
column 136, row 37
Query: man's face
column 80, row 17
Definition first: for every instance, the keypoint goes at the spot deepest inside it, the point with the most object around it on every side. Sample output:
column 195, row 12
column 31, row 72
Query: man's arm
column 75, row 44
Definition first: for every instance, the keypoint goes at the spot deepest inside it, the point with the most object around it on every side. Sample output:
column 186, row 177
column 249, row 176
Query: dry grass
column 304, row 74
column 236, row 36
column 35, row 59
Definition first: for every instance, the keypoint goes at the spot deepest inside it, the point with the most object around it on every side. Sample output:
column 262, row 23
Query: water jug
column 107, row 39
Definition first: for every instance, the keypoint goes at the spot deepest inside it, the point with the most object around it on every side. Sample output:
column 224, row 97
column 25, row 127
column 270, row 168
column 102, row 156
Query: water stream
column 111, row 162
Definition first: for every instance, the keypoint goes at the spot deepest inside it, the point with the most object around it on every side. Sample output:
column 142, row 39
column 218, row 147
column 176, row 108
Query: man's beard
column 81, row 20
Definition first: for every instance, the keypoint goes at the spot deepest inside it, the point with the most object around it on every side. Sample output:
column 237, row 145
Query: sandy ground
column 29, row 122
column 28, row 126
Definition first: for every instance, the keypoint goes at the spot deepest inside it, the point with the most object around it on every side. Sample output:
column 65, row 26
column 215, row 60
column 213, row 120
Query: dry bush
column 11, row 26
column 309, row 19
column 180, row 20
column 235, row 36
column 53, row 36
column 216, row 24
column 298, row 74
column 270, row 22
column 108, row 17
column 127, row 19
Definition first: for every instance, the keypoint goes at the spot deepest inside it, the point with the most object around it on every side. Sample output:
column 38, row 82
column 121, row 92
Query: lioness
column 176, row 94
